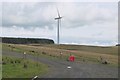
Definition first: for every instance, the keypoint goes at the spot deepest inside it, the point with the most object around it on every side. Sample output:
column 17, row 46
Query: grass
column 113, row 50
column 0, row 60
column 29, row 50
column 17, row 70
column 81, row 52
column 0, row 66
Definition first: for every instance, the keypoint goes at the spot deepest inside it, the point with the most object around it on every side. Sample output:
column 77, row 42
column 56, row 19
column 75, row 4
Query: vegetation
column 81, row 52
column 26, row 40
column 113, row 50
column 18, row 67
column 118, row 45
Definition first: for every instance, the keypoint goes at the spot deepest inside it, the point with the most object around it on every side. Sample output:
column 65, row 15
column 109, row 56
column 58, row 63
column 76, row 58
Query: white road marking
column 69, row 67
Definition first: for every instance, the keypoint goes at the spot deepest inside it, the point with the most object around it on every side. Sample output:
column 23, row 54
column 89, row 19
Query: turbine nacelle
column 58, row 18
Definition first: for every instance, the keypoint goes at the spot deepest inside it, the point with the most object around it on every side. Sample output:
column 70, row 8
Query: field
column 18, row 67
column 81, row 52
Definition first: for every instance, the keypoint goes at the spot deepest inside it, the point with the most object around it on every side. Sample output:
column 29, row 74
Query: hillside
column 113, row 50
column 26, row 40
column 81, row 52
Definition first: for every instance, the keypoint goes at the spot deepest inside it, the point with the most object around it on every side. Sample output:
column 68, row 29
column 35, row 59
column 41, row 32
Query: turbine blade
column 55, row 18
column 58, row 12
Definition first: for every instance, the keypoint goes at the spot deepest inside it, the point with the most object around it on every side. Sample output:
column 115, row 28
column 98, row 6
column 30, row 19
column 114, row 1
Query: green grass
column 17, row 70
column 0, row 60
column 0, row 70
column 9, row 47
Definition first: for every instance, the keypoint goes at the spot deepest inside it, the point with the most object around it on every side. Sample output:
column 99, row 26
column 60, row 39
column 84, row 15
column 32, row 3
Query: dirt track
column 58, row 68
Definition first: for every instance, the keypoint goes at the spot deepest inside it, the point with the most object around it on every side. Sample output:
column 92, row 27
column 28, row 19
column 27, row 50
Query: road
column 58, row 68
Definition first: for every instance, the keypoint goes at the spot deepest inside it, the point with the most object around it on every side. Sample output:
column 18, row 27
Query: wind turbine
column 58, row 25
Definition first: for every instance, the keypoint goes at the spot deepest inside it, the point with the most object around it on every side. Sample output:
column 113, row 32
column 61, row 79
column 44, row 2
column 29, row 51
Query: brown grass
column 89, row 53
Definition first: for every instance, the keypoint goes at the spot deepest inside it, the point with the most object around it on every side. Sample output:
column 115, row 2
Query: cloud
column 43, row 14
column 27, row 15
column 87, row 14
column 90, row 23
column 80, row 35
column 61, row 1
column 15, row 31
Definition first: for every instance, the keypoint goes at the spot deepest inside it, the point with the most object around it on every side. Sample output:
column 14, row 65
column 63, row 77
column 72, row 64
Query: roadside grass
column 30, row 51
column 0, row 71
column 14, row 68
column 0, row 59
column 53, row 52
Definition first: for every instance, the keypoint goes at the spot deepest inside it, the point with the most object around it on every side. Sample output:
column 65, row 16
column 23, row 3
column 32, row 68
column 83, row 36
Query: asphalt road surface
column 58, row 68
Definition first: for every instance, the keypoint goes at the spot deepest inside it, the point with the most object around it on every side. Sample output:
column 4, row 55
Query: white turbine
column 59, row 21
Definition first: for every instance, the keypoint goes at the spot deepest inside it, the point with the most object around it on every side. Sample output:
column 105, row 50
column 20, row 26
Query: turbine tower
column 58, row 25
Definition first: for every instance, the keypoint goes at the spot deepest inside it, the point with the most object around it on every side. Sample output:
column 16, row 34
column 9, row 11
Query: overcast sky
column 91, row 23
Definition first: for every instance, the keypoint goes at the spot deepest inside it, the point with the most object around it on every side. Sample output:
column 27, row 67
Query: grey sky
column 88, row 23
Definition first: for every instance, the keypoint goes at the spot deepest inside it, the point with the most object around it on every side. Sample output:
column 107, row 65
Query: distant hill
column 26, row 40
column 118, row 45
